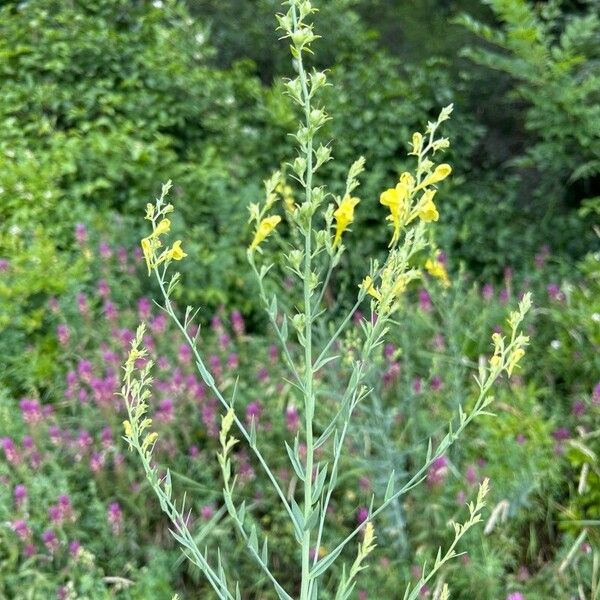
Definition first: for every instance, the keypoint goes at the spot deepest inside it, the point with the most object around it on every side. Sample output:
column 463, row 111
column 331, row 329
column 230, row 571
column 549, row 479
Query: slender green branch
column 227, row 443
column 506, row 356
column 209, row 380
column 135, row 394
column 325, row 284
column 282, row 340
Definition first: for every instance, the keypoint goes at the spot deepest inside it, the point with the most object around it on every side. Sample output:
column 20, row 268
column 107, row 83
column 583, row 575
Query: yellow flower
column 265, row 227
column 290, row 204
column 127, row 428
column 437, row 269
column 151, row 243
column 396, row 199
column 163, row 227
column 147, row 250
column 400, row 285
column 344, row 215
column 514, row 359
column 417, row 143
column 176, row 252
column 287, row 193
column 495, row 361
column 149, row 440
column 427, row 208
column 367, row 284
column 440, row 173
column 283, row 189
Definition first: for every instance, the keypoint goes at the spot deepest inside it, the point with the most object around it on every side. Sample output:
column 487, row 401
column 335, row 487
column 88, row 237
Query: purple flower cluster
column 55, row 534
column 438, row 471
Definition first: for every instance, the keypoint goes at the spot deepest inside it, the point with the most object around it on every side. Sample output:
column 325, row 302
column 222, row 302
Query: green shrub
column 550, row 55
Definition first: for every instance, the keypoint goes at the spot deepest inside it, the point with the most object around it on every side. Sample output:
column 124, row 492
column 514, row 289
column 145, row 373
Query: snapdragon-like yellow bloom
column 265, row 227
column 439, row 174
column 495, row 361
column 514, row 359
column 427, row 209
column 396, row 199
column 437, row 269
column 149, row 440
column 151, row 243
column 367, row 284
column 176, row 252
column 148, row 252
column 401, row 285
column 417, row 143
column 344, row 215
column 287, row 194
column 163, row 227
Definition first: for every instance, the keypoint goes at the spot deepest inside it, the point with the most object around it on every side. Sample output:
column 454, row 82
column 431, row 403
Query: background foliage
column 103, row 101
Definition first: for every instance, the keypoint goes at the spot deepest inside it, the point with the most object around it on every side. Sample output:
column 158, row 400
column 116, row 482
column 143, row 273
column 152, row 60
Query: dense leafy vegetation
column 103, row 101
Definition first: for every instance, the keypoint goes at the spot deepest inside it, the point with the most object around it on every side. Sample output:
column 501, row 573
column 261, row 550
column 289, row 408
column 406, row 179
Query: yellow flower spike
column 427, row 209
column 437, row 269
column 265, row 227
column 369, row 536
column 176, row 252
column 226, row 422
column 344, row 215
column 440, row 173
column 163, row 227
column 367, row 284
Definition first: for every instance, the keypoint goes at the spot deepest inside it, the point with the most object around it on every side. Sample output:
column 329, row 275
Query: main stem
column 309, row 414
column 308, row 369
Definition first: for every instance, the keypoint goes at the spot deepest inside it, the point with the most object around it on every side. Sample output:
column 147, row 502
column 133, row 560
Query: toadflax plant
column 319, row 225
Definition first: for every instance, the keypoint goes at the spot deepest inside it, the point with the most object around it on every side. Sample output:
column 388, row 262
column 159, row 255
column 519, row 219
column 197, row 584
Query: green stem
column 309, row 416
column 338, row 450
column 308, row 367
